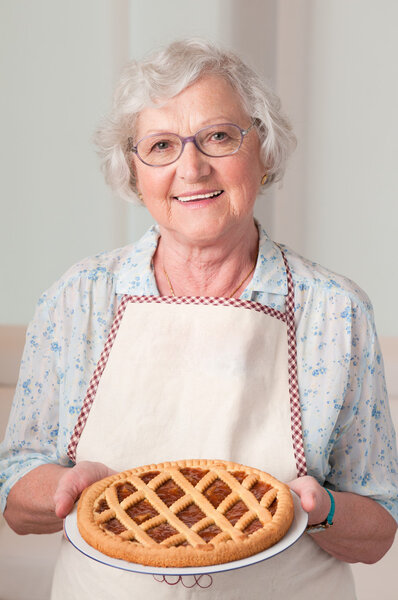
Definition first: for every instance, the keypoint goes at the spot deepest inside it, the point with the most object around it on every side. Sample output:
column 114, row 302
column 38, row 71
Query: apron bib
column 212, row 378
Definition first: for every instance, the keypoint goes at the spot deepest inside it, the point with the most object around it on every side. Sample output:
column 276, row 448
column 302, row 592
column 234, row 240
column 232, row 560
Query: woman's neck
column 223, row 268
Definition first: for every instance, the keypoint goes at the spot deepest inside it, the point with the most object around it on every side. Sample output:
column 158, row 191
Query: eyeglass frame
column 185, row 140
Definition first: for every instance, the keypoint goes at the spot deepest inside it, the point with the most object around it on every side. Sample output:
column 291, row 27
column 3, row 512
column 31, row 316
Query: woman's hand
column 40, row 500
column 74, row 481
column 362, row 529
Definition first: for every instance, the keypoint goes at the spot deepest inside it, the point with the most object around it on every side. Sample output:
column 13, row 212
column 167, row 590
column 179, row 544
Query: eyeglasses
column 161, row 149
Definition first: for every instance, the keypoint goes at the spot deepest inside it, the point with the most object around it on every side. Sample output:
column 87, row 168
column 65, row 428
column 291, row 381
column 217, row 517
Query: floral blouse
column 348, row 434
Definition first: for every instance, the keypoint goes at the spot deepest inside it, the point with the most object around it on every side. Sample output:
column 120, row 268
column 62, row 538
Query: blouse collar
column 136, row 275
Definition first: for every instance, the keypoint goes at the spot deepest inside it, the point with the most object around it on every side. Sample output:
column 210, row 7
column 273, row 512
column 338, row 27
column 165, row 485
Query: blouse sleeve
column 348, row 432
column 363, row 452
column 32, row 434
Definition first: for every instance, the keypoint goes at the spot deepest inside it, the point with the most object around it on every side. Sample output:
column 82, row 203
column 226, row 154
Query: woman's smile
column 194, row 197
column 198, row 199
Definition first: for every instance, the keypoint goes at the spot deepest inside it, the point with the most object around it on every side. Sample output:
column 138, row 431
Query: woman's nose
column 192, row 165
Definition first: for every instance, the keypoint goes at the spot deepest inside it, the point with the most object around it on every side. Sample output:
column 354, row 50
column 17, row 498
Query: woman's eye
column 159, row 146
column 219, row 136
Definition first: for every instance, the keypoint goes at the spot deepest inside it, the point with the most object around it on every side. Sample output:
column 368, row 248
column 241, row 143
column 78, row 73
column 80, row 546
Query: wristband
column 328, row 522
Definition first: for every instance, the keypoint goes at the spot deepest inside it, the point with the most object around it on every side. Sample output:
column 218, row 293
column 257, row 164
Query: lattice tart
column 185, row 513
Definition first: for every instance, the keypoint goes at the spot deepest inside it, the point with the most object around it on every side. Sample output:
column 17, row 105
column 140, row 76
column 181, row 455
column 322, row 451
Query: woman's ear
column 134, row 175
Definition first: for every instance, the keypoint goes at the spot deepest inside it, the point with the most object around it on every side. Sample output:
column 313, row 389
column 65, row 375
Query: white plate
column 295, row 532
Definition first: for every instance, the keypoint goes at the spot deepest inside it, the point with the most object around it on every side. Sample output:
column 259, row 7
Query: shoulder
column 312, row 279
column 102, row 274
column 88, row 275
column 316, row 288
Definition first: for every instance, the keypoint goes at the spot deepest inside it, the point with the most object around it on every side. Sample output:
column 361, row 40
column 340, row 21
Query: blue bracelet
column 328, row 522
column 330, row 516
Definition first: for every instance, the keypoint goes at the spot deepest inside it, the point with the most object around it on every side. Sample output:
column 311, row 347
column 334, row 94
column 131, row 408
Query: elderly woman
column 202, row 316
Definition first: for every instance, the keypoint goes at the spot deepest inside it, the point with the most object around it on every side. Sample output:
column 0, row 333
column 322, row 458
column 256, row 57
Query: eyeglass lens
column 215, row 140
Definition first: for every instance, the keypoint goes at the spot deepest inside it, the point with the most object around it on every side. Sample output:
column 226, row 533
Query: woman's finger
column 67, row 493
column 312, row 496
column 74, row 481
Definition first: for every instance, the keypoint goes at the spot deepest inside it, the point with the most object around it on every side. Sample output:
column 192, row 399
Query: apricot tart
column 185, row 513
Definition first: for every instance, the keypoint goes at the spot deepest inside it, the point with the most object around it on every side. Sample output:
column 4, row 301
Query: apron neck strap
column 295, row 406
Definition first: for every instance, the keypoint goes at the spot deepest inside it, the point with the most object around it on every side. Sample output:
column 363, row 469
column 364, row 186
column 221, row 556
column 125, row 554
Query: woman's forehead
column 209, row 100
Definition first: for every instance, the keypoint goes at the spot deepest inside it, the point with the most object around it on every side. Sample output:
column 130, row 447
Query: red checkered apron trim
column 295, row 409
column 287, row 316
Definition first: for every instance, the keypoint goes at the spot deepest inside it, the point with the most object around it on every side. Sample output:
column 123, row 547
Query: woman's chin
column 206, row 221
column 200, row 231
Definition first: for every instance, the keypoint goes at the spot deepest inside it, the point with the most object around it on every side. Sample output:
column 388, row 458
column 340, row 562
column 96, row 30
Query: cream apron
column 187, row 378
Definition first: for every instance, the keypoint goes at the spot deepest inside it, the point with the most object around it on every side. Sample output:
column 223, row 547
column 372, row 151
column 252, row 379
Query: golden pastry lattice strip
column 268, row 498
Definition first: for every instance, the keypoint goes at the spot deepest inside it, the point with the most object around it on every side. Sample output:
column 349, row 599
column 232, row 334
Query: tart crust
column 185, row 513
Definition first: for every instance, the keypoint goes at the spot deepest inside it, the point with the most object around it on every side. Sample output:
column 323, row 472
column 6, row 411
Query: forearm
column 30, row 504
column 362, row 530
